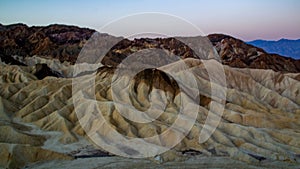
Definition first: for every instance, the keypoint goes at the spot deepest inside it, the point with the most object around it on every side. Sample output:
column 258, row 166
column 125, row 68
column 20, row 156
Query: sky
column 244, row 19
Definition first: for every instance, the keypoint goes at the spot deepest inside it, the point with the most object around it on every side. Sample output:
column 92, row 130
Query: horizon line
column 92, row 28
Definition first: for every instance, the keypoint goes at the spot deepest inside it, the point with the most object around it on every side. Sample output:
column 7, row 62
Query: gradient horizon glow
column 244, row 19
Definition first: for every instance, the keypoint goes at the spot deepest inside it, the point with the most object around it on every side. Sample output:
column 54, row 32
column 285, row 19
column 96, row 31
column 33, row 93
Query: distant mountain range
column 52, row 112
column 284, row 47
column 65, row 42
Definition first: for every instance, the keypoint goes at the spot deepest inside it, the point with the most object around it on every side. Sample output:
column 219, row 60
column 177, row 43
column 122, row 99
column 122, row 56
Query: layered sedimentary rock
column 237, row 53
column 260, row 121
column 65, row 43
column 54, row 41
column 39, row 122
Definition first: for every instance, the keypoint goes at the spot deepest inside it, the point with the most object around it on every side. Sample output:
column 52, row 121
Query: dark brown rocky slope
column 237, row 53
column 65, row 43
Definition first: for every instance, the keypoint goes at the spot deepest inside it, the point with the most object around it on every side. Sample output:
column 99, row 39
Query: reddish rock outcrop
column 55, row 41
column 237, row 53
column 65, row 43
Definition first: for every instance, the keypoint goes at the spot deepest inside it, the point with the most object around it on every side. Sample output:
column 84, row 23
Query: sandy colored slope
column 193, row 163
column 261, row 118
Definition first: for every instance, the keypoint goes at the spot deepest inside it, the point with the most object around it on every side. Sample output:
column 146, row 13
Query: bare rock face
column 236, row 53
column 126, row 47
column 65, row 43
column 17, row 156
column 260, row 121
column 42, row 71
column 54, row 41
column 259, row 126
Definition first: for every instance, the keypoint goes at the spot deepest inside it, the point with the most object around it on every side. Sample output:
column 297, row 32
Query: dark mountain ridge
column 64, row 43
